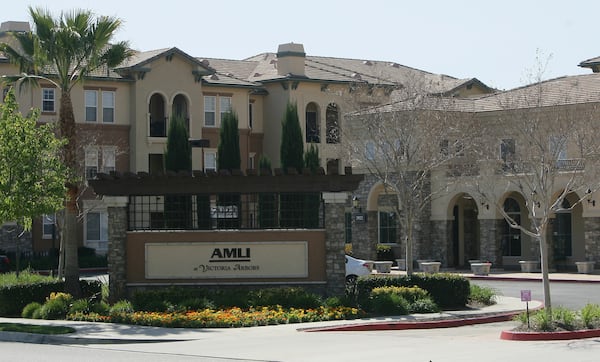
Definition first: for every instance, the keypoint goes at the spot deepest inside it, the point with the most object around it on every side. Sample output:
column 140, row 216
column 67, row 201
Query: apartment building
column 122, row 114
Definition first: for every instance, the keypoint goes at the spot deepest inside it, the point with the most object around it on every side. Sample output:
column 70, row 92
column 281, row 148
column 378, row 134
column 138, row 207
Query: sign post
column 526, row 297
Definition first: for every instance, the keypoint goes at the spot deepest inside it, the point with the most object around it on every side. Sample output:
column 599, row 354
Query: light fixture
column 485, row 204
column 355, row 202
column 593, row 202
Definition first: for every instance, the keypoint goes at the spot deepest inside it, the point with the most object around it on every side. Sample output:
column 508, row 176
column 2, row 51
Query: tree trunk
column 69, row 233
column 544, row 266
column 409, row 251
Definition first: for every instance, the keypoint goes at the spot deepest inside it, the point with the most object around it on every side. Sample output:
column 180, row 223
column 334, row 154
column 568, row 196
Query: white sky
column 496, row 42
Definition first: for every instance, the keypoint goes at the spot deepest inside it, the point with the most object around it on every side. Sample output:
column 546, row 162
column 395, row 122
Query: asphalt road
column 570, row 295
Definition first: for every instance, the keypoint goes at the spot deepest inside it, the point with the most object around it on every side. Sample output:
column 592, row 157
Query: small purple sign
column 525, row 295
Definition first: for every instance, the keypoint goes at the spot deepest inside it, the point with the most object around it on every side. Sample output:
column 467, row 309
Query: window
column 562, row 232
column 348, row 227
column 108, row 106
column 48, row 98
column 210, row 160
column 91, row 105
column 4, row 93
column 210, row 108
column 444, row 147
column 558, row 147
column 252, row 161
column 370, row 150
column 96, row 226
column 332, row 124
column 48, row 225
column 511, row 237
column 91, row 163
column 108, row 159
column 387, row 227
column 507, row 153
column 156, row 163
column 312, row 124
column 224, row 105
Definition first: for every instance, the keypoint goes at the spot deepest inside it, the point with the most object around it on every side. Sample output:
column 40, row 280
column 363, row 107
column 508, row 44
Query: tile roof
column 567, row 90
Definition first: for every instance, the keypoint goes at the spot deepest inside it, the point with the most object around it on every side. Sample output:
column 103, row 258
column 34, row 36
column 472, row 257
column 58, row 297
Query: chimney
column 290, row 59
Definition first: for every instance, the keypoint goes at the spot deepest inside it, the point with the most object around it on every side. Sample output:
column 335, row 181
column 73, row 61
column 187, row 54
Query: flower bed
column 232, row 317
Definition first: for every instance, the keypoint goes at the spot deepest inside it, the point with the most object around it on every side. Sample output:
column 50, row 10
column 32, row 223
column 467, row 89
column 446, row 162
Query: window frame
column 48, row 220
column 210, row 110
column 46, row 100
column 88, row 107
column 89, row 165
column 212, row 154
column 112, row 107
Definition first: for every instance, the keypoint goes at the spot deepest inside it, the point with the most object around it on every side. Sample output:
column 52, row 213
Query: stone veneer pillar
column 117, row 238
column 335, row 263
column 441, row 240
column 591, row 227
column 489, row 241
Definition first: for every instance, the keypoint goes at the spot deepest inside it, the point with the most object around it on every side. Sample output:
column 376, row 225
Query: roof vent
column 16, row 26
column 204, row 62
column 214, row 77
column 257, row 74
column 395, row 65
column 356, row 76
column 367, row 62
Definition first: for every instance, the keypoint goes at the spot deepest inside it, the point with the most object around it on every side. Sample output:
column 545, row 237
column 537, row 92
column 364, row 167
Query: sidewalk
column 111, row 333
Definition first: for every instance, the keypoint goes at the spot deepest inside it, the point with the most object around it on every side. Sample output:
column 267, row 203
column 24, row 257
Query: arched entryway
column 464, row 231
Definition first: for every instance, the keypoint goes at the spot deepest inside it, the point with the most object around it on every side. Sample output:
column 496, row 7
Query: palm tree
column 64, row 51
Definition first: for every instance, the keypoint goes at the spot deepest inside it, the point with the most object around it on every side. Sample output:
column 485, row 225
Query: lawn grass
column 34, row 328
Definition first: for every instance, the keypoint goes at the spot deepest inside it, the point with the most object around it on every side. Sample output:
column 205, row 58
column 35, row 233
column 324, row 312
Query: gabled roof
column 592, row 63
column 140, row 59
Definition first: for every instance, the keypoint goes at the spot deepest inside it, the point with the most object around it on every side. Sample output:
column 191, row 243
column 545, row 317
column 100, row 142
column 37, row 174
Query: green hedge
column 14, row 297
column 448, row 291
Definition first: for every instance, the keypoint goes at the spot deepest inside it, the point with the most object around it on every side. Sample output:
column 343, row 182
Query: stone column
column 335, row 262
column 591, row 229
column 117, row 242
column 489, row 243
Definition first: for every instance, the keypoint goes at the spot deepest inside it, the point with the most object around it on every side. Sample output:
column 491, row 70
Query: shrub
column 122, row 306
column 384, row 252
column 55, row 308
column 482, row 295
column 425, row 305
column 542, row 321
column 197, row 304
column 30, row 309
column 100, row 307
column 385, row 301
column 564, row 318
column 447, row 290
column 285, row 297
column 80, row 306
column 590, row 315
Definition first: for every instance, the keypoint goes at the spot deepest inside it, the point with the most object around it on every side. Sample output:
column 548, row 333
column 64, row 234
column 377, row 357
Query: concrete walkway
column 111, row 333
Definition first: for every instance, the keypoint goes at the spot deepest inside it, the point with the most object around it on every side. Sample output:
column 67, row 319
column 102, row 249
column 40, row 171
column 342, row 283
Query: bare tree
column 546, row 134
column 403, row 145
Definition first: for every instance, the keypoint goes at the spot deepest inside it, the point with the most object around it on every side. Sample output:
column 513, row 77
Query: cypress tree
column 267, row 202
column 292, row 146
column 311, row 200
column 228, row 158
column 291, row 154
column 228, row 150
column 178, row 157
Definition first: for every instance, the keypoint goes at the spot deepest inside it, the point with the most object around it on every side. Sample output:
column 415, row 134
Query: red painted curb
column 549, row 336
column 403, row 325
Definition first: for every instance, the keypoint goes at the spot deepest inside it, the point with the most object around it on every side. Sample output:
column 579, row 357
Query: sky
column 501, row 43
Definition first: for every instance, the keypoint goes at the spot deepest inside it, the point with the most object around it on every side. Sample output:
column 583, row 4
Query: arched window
column 332, row 123
column 158, row 121
column 180, row 109
column 313, row 134
column 511, row 237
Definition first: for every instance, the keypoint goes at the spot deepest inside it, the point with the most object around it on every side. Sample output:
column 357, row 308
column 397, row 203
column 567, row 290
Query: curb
column 549, row 336
column 402, row 325
column 58, row 339
column 517, row 279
